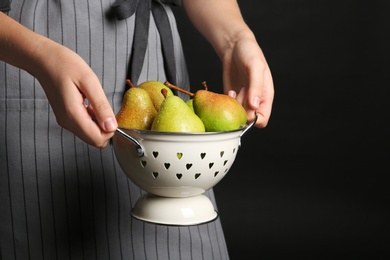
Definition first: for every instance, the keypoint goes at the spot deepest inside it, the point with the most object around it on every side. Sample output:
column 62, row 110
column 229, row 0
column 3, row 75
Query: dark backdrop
column 313, row 183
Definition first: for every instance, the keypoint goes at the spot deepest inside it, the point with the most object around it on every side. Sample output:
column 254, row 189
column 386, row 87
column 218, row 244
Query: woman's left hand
column 247, row 77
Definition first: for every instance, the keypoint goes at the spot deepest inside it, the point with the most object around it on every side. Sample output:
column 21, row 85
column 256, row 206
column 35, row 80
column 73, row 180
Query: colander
column 175, row 170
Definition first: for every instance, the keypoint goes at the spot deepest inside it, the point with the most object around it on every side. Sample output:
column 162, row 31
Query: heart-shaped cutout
column 179, row 155
column 179, row 175
column 155, row 154
column 202, row 155
column 167, row 165
column 188, row 166
column 211, row 165
column 221, row 153
column 216, row 173
column 143, row 163
column 155, row 174
column 197, row 175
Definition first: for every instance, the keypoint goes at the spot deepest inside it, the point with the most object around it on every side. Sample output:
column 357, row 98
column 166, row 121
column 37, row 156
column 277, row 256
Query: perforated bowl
column 175, row 169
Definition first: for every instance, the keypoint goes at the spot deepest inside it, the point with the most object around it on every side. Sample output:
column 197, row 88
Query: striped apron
column 59, row 197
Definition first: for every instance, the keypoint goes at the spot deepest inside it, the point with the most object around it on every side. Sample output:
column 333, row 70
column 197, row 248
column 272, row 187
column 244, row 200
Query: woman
column 62, row 78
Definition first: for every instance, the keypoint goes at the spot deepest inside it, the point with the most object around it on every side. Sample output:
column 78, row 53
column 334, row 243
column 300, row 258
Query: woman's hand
column 67, row 80
column 68, row 83
column 246, row 72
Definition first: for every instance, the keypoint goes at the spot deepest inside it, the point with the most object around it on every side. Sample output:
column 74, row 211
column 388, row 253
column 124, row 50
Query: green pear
column 219, row 112
column 154, row 87
column 190, row 103
column 176, row 116
column 137, row 110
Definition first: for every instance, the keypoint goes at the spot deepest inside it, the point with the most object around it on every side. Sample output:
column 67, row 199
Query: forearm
column 219, row 21
column 20, row 46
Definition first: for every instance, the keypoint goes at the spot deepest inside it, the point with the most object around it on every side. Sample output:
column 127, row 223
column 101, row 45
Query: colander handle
column 138, row 146
column 249, row 126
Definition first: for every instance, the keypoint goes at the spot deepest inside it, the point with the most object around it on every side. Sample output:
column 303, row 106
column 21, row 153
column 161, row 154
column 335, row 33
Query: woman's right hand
column 68, row 82
column 66, row 79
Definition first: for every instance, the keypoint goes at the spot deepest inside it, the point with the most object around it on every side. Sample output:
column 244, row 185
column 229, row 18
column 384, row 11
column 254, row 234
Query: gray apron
column 59, row 197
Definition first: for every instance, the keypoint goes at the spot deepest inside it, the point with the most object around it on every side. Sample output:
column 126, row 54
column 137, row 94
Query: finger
column 241, row 96
column 83, row 124
column 91, row 132
column 232, row 93
column 265, row 107
column 256, row 85
column 102, row 110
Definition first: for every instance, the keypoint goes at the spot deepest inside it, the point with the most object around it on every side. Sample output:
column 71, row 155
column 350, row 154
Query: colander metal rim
column 180, row 133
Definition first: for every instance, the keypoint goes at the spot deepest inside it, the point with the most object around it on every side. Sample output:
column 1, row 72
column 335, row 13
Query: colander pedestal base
column 174, row 211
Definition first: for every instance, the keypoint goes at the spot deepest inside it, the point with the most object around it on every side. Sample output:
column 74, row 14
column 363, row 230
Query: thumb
column 99, row 106
column 255, row 90
column 104, row 116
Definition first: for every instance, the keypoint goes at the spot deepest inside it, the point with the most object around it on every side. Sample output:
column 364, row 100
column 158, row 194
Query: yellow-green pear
column 137, row 110
column 154, row 87
column 219, row 112
column 176, row 116
column 190, row 103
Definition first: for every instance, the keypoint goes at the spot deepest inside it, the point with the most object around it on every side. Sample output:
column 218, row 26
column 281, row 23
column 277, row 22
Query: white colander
column 175, row 169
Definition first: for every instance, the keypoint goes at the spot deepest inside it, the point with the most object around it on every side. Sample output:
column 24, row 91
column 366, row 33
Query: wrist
column 38, row 62
column 232, row 40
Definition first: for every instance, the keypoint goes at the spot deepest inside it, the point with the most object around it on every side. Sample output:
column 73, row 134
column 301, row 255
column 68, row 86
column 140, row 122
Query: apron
column 59, row 197
column 4, row 5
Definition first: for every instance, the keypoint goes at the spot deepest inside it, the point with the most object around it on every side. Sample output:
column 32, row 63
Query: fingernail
column 256, row 102
column 110, row 124
column 232, row 93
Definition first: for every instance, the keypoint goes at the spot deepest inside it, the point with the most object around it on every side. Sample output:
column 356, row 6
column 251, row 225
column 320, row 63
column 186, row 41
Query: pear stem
column 205, row 85
column 171, row 86
column 164, row 92
column 128, row 82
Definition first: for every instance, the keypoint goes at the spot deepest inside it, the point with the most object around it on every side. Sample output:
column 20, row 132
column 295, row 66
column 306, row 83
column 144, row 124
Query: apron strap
column 124, row 9
column 5, row 5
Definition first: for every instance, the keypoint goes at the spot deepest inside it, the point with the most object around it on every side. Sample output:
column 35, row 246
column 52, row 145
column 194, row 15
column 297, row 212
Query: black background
column 313, row 183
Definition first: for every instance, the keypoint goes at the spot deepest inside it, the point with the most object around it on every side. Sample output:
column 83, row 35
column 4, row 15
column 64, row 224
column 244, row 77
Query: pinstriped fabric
column 60, row 198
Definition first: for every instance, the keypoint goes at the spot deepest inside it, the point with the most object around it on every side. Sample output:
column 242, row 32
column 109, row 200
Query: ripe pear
column 154, row 87
column 219, row 112
column 176, row 116
column 190, row 103
column 137, row 110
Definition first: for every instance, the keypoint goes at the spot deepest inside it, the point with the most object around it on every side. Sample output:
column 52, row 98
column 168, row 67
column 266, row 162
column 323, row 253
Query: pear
column 154, row 87
column 176, row 116
column 137, row 110
column 190, row 103
column 219, row 112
